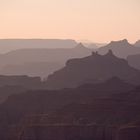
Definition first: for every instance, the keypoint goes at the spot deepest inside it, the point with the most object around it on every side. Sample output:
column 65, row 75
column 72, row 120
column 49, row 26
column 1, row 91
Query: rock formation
column 92, row 69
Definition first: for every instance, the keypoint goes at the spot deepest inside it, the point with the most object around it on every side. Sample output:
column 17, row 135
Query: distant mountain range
column 39, row 61
column 93, row 45
column 92, row 69
column 44, row 54
column 41, row 57
column 120, row 48
column 7, row 45
column 41, row 69
column 137, row 44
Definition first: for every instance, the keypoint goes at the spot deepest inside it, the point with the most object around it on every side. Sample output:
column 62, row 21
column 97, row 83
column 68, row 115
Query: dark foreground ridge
column 94, row 112
column 103, row 111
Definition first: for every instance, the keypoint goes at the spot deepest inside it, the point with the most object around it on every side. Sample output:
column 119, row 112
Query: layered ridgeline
column 92, row 69
column 44, row 54
column 134, row 59
column 7, row 45
column 137, row 44
column 120, row 48
column 39, row 61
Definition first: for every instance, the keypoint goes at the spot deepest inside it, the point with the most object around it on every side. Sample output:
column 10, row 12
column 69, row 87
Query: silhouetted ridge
column 123, row 42
column 120, row 48
column 137, row 44
column 7, row 45
column 39, row 61
column 92, row 69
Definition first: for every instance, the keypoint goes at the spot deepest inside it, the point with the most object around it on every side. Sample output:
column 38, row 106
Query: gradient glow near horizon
column 94, row 20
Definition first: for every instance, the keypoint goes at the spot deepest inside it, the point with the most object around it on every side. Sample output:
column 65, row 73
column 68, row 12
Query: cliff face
column 104, row 119
column 77, row 132
column 129, row 133
column 35, row 128
column 92, row 69
column 68, row 132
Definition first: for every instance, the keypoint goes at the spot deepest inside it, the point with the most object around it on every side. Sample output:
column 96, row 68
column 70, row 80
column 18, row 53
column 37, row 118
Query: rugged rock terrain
column 88, row 112
column 92, row 69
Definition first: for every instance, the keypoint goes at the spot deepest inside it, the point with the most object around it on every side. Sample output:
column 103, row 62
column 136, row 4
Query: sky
column 93, row 20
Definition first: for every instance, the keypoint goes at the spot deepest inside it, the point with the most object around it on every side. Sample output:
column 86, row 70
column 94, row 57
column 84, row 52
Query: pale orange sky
column 94, row 20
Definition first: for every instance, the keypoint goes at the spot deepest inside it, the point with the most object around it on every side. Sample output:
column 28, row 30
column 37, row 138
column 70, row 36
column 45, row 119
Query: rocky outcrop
column 92, row 69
